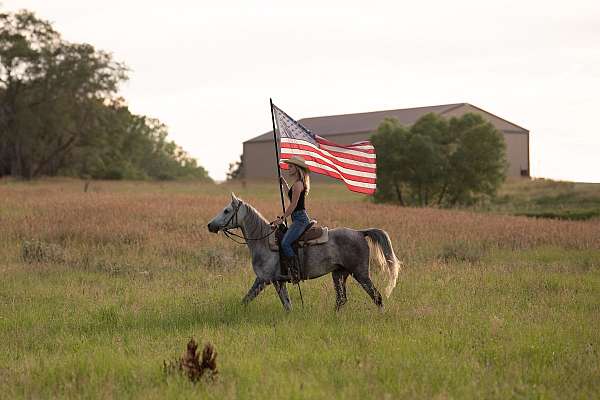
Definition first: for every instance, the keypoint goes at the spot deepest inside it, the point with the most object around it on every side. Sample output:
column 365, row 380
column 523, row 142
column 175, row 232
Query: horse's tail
column 381, row 247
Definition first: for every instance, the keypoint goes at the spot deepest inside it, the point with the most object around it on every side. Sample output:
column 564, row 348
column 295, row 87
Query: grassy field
column 548, row 199
column 99, row 288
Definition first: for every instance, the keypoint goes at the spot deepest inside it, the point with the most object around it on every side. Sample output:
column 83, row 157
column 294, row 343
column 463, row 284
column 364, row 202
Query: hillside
column 549, row 199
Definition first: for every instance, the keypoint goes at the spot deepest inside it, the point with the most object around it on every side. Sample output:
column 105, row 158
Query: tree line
column 61, row 113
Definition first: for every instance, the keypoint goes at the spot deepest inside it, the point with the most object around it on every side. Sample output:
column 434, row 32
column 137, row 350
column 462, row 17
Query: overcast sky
column 207, row 69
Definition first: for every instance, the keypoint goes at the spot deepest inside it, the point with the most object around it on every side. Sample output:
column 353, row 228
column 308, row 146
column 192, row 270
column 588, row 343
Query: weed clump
column 37, row 251
column 191, row 365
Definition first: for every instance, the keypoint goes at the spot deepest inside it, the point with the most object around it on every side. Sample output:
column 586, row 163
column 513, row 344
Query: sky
column 207, row 68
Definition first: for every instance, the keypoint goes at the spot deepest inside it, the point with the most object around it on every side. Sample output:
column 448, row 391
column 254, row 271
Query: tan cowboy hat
column 297, row 161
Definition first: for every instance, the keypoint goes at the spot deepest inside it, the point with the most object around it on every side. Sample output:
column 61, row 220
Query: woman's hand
column 278, row 221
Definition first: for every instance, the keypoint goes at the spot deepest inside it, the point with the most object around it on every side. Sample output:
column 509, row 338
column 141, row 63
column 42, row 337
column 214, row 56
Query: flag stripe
column 362, row 142
column 359, row 187
column 335, row 154
column 363, row 147
column 367, row 145
column 347, row 163
column 354, row 176
column 323, row 160
column 360, row 153
column 347, row 156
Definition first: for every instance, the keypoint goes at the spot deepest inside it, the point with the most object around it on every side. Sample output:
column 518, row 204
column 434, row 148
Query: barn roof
column 368, row 121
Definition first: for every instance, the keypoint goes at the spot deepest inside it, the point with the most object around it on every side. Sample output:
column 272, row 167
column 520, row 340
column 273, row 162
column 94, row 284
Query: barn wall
column 259, row 160
column 516, row 153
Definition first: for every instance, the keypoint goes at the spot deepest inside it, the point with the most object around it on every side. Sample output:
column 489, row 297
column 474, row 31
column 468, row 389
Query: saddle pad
column 320, row 240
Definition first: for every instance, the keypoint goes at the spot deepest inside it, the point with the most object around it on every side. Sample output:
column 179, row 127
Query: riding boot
column 295, row 269
column 284, row 268
column 290, row 267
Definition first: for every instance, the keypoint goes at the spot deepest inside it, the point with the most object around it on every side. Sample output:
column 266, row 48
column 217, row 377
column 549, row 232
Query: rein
column 228, row 233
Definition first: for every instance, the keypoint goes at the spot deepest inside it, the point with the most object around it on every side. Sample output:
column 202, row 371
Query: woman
column 298, row 175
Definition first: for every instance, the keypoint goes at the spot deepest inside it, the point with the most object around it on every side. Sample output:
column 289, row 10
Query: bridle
column 228, row 233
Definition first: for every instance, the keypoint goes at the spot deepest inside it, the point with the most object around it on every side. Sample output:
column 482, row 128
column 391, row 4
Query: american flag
column 354, row 163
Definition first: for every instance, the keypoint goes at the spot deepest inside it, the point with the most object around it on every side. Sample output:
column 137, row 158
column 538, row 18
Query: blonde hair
column 305, row 178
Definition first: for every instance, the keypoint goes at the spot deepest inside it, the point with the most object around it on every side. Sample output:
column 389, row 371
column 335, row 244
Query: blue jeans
column 299, row 223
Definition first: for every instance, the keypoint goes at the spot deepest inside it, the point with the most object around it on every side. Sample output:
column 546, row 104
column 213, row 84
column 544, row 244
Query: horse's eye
column 226, row 211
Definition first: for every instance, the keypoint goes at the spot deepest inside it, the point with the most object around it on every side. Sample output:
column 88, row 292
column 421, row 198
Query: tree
column 60, row 112
column 49, row 89
column 478, row 160
column 437, row 161
column 393, row 167
column 236, row 169
column 129, row 146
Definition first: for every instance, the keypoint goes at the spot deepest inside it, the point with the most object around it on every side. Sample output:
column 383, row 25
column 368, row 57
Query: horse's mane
column 254, row 213
column 255, row 222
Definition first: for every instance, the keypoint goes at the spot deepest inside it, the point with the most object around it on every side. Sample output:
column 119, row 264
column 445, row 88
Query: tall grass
column 99, row 288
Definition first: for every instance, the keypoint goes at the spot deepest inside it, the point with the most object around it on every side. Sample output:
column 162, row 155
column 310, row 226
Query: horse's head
column 228, row 218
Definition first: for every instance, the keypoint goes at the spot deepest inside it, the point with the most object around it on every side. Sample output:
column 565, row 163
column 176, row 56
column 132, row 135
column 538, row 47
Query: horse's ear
column 234, row 199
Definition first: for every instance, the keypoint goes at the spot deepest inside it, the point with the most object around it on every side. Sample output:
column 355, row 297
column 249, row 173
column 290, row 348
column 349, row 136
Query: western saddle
column 312, row 231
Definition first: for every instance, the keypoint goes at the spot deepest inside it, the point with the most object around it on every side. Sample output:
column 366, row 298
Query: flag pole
column 277, row 159
column 281, row 188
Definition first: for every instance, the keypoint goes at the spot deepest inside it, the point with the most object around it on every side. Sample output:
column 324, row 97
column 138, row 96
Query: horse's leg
column 339, row 282
column 365, row 281
column 256, row 288
column 283, row 294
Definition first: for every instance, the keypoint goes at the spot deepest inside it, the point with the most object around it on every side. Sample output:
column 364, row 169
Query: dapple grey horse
column 345, row 253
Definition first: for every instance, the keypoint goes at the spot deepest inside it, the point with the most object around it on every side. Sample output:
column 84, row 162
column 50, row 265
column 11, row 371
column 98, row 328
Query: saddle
column 312, row 235
column 312, row 232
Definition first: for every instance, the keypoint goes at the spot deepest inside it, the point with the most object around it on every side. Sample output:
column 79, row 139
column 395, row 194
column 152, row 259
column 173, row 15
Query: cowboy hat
column 297, row 161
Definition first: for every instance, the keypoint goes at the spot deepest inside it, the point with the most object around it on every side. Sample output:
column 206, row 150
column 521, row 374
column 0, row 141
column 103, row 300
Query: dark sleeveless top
column 300, row 205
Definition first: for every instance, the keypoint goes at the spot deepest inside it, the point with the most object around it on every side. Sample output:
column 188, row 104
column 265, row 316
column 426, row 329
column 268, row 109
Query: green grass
column 98, row 289
column 453, row 331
